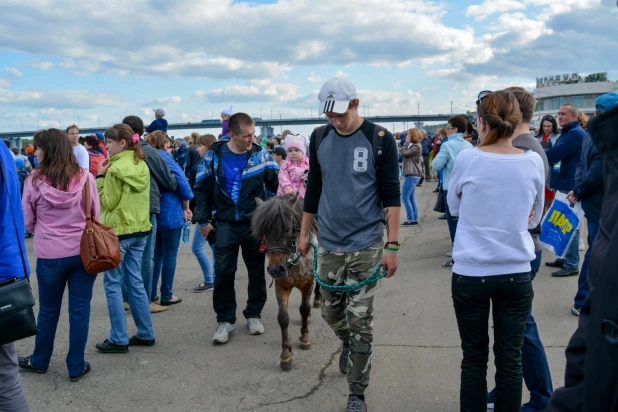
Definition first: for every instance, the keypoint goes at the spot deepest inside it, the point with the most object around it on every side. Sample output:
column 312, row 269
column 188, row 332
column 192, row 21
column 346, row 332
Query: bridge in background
column 265, row 124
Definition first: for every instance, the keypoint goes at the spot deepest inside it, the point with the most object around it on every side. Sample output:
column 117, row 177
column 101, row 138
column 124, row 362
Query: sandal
column 171, row 302
column 448, row 265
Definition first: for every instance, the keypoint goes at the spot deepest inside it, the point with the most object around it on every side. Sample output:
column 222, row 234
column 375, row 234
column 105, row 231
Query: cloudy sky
column 93, row 62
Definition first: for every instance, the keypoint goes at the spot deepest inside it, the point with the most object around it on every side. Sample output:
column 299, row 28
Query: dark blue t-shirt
column 233, row 165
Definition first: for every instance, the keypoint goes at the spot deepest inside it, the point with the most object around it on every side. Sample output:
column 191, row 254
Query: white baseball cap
column 160, row 112
column 335, row 96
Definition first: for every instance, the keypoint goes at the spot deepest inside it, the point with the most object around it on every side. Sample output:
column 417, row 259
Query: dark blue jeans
column 509, row 297
column 450, row 219
column 165, row 256
column 583, row 290
column 534, row 361
column 53, row 275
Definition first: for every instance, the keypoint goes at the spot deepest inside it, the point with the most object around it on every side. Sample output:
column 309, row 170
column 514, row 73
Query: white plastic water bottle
column 186, row 231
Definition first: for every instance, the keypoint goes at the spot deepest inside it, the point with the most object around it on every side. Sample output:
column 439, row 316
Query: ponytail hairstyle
column 120, row 132
column 500, row 112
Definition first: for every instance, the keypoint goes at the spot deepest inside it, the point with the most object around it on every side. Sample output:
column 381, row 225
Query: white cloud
column 341, row 74
column 488, row 7
column 42, row 66
column 516, row 30
column 255, row 90
column 13, row 71
column 57, row 98
column 166, row 100
column 315, row 78
column 135, row 42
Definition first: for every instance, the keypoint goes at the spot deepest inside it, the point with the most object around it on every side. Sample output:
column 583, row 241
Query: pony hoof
column 317, row 303
column 286, row 364
column 305, row 345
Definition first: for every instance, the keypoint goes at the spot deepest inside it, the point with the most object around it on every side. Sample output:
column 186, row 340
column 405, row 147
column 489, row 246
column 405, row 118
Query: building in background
column 554, row 91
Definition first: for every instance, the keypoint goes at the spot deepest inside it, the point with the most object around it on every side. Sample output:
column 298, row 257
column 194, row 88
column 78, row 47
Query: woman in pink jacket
column 294, row 168
column 54, row 210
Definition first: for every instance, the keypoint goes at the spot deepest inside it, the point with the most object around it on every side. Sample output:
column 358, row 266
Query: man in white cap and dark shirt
column 353, row 185
column 159, row 123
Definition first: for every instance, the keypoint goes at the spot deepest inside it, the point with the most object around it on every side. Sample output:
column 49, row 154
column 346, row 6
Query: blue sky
column 63, row 62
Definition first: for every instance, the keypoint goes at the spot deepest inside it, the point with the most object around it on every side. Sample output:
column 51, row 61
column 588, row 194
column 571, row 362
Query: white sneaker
column 255, row 326
column 449, row 254
column 223, row 332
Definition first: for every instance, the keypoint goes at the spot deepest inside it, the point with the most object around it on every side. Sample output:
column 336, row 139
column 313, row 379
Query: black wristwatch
column 394, row 242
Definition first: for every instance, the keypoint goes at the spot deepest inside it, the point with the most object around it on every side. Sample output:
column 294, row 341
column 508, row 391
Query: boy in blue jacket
column 159, row 123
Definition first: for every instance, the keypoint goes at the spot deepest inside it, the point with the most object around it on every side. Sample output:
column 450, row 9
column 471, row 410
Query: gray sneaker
column 255, row 326
column 223, row 332
column 356, row 404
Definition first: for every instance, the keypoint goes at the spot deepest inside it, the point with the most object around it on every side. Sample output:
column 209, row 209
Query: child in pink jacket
column 293, row 171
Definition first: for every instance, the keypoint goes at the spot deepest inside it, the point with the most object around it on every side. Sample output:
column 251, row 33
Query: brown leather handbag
column 99, row 247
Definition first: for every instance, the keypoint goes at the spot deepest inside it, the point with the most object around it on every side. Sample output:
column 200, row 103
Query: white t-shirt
column 498, row 192
column 82, row 156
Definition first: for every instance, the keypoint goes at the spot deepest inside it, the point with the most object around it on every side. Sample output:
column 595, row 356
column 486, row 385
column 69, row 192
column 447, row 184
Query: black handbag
column 439, row 206
column 16, row 302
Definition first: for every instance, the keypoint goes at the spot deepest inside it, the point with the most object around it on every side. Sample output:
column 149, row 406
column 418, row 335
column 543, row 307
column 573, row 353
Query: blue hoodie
column 10, row 208
column 445, row 160
column 157, row 124
column 171, row 215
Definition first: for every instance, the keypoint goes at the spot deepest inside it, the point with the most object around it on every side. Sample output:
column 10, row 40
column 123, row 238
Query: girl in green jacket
column 123, row 182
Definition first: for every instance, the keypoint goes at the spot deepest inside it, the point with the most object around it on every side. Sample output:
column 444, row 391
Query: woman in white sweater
column 497, row 191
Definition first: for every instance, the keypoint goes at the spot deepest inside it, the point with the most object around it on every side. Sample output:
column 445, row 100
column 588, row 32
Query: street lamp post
column 418, row 106
column 451, row 107
column 280, row 125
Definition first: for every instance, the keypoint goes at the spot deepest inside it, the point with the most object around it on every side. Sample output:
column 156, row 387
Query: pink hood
column 58, row 218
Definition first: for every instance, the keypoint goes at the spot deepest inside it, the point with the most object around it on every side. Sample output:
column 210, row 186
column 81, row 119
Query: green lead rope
column 375, row 276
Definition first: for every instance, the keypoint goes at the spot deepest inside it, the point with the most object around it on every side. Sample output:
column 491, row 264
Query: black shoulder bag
column 16, row 302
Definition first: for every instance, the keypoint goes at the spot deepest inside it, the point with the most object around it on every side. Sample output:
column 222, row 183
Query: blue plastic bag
column 559, row 225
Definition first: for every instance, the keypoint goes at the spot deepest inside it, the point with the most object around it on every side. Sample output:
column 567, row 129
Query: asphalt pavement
column 416, row 362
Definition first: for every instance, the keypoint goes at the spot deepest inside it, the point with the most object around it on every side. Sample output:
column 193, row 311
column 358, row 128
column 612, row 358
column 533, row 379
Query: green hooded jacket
column 125, row 195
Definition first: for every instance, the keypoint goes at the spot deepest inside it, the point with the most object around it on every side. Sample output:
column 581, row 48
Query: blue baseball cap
column 19, row 162
column 99, row 135
column 606, row 102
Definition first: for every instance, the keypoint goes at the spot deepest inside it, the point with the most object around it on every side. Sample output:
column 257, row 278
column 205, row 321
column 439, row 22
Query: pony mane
column 272, row 219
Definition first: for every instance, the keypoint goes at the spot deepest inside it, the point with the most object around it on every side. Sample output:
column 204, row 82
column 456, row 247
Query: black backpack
column 376, row 143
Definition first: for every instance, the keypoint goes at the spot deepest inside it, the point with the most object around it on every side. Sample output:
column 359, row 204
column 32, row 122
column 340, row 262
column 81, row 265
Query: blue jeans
column 583, row 290
column 53, row 275
column 534, row 361
column 450, row 219
column 197, row 247
column 408, row 198
column 439, row 179
column 147, row 256
column 129, row 272
column 166, row 254
column 571, row 257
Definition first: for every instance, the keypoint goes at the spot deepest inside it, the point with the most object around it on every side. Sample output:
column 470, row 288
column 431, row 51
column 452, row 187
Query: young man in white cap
column 354, row 185
column 159, row 123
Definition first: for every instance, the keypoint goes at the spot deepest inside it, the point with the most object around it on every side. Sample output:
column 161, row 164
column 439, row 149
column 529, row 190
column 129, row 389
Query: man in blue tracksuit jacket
column 563, row 159
column 229, row 179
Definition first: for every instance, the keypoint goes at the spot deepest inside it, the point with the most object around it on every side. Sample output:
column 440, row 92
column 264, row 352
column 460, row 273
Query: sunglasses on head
column 482, row 95
column 550, row 118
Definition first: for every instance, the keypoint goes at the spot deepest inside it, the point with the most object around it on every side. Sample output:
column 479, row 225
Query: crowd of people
column 147, row 186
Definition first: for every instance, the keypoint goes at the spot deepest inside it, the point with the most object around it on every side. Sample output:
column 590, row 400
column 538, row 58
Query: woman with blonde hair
column 412, row 173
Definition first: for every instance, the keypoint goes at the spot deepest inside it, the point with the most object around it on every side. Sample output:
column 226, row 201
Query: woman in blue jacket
column 174, row 212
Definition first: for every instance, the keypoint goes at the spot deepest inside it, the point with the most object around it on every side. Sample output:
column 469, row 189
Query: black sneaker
column 343, row 359
column 78, row 377
column 436, row 191
column 24, row 363
column 111, row 347
column 137, row 341
column 555, row 264
column 575, row 310
column 356, row 404
column 203, row 287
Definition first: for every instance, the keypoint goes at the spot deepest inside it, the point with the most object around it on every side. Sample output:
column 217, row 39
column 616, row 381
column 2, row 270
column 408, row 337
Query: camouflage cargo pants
column 350, row 314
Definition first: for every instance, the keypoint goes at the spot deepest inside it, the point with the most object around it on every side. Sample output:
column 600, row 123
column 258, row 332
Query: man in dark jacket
column 427, row 146
column 564, row 158
column 161, row 180
column 232, row 174
column 589, row 191
column 591, row 375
